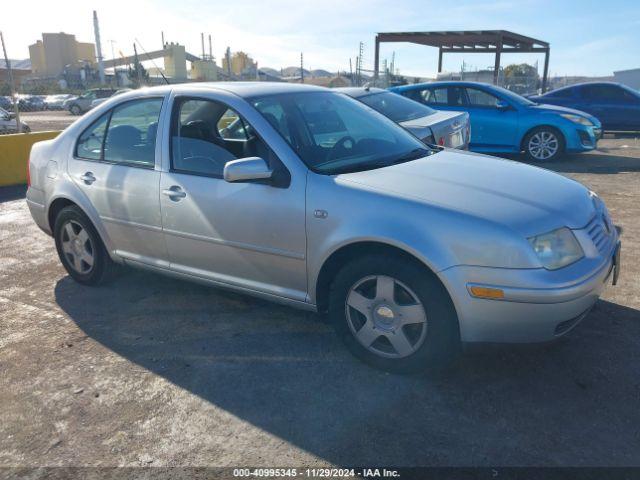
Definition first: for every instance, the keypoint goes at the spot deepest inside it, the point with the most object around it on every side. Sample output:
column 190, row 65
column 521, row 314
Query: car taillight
column 28, row 173
column 441, row 141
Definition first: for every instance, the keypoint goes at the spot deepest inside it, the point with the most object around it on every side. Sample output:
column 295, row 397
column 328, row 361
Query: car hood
column 527, row 199
column 545, row 107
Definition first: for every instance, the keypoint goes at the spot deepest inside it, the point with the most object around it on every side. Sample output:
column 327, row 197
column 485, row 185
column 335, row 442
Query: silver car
column 433, row 127
column 320, row 202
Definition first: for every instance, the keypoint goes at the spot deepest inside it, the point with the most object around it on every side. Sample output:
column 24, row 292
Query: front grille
column 599, row 235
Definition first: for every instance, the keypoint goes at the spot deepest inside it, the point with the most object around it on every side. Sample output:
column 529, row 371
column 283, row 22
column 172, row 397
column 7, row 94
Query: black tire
column 441, row 345
column 75, row 109
column 526, row 144
column 103, row 267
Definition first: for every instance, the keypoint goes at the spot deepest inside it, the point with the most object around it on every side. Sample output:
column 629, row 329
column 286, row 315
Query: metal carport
column 477, row 41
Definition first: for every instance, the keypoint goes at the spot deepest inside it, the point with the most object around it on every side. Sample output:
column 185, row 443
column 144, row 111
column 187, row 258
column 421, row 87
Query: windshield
column 333, row 133
column 514, row 97
column 396, row 107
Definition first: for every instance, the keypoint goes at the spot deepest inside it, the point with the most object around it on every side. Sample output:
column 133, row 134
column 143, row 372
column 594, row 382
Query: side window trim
column 106, row 132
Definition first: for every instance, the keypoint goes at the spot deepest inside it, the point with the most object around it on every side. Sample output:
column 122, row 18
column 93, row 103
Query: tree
column 137, row 74
column 521, row 78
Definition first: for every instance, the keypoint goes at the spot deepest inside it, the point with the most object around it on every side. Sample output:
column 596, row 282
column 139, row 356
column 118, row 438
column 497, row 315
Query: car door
column 611, row 104
column 492, row 128
column 248, row 235
column 114, row 164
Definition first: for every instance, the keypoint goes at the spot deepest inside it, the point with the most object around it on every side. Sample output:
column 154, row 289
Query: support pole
column 440, row 60
column 545, row 74
column 376, row 60
column 496, row 66
column 96, row 31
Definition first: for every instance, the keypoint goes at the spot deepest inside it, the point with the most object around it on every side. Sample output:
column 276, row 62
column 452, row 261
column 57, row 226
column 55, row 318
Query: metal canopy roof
column 471, row 41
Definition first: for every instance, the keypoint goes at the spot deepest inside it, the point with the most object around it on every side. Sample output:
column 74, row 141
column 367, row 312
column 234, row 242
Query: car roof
column 250, row 89
column 357, row 92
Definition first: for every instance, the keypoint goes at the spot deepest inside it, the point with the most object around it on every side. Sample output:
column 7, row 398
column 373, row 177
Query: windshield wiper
column 414, row 154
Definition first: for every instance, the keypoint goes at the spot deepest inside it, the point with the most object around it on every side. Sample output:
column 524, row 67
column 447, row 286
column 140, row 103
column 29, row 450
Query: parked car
column 56, row 102
column 31, row 103
column 6, row 103
column 82, row 104
column 616, row 105
column 98, row 101
column 327, row 205
column 505, row 122
column 8, row 123
column 447, row 129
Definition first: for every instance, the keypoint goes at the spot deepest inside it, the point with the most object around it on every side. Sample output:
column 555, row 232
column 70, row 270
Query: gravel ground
column 154, row 371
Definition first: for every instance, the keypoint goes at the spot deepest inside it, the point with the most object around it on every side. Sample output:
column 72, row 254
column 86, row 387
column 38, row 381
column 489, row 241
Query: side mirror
column 248, row 169
column 502, row 105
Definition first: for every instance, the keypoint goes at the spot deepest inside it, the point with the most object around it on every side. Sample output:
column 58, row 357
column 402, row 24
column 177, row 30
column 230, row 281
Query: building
column 241, row 64
column 630, row 78
column 56, row 52
column 175, row 61
column 20, row 69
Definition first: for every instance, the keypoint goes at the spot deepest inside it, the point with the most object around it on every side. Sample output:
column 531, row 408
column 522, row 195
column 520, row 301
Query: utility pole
column 162, row 35
column 16, row 108
column 350, row 72
column 360, row 58
column 228, row 55
column 96, row 30
column 137, row 65
column 113, row 58
column 301, row 69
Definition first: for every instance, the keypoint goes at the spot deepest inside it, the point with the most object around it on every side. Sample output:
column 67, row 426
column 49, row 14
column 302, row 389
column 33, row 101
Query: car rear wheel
column 394, row 315
column 543, row 144
column 80, row 248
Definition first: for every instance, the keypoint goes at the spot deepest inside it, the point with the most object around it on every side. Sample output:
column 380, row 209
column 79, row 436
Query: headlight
column 557, row 249
column 577, row 119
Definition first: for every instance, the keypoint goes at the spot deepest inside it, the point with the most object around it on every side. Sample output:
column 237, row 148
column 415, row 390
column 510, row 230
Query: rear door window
column 131, row 136
column 89, row 144
column 435, row 96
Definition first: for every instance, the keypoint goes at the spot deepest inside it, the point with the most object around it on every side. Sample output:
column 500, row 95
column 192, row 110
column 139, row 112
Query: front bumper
column 539, row 305
column 583, row 138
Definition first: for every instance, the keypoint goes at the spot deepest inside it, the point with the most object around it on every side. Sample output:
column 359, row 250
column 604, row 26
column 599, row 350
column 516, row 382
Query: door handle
column 88, row 178
column 175, row 193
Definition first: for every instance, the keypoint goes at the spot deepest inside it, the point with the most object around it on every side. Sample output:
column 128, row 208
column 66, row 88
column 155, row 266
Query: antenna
column 149, row 58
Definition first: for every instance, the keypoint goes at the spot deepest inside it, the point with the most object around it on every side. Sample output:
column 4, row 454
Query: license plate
column 456, row 139
column 616, row 264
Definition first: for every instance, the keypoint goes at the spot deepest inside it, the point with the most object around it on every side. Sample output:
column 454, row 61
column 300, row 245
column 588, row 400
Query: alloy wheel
column 386, row 316
column 77, row 247
column 543, row 145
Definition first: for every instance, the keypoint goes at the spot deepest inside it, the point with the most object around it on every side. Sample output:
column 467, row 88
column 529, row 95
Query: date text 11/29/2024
column 315, row 472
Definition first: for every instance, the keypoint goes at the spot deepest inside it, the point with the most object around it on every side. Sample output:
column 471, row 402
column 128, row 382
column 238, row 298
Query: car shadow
column 14, row 192
column 284, row 371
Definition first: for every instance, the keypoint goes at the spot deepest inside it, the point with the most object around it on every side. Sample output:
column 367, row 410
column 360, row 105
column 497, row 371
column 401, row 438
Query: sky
column 592, row 38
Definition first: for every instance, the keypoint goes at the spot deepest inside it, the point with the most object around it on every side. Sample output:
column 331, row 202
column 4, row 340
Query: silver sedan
column 433, row 127
column 305, row 196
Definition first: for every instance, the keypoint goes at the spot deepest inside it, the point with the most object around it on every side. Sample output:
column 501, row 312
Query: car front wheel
column 75, row 110
column 394, row 315
column 543, row 144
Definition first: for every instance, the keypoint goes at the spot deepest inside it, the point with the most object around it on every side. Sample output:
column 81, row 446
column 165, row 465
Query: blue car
column 505, row 122
column 616, row 106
